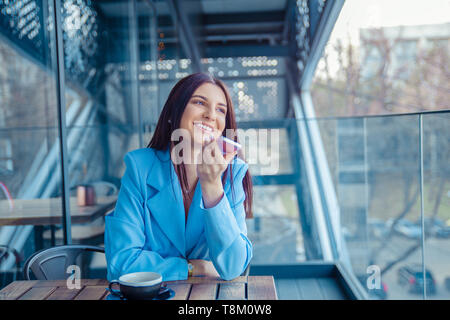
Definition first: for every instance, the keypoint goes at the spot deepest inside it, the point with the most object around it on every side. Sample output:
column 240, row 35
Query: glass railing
column 392, row 182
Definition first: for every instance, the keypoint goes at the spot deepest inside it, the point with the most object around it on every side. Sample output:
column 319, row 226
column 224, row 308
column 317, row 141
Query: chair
column 52, row 263
column 5, row 253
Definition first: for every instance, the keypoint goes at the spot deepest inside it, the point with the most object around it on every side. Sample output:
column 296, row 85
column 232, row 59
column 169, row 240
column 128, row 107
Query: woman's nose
column 210, row 114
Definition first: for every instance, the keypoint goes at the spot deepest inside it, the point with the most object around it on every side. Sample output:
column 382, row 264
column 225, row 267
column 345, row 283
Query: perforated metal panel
column 256, row 84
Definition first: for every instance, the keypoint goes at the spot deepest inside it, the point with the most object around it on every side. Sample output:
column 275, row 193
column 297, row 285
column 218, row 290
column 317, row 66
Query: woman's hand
column 212, row 163
column 209, row 169
column 203, row 268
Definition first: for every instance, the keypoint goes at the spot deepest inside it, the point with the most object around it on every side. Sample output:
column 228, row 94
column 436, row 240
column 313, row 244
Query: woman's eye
column 199, row 102
column 222, row 110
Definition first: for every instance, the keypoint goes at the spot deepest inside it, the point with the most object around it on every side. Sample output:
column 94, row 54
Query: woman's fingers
column 213, row 162
column 212, row 149
column 204, row 268
column 207, row 140
column 212, row 153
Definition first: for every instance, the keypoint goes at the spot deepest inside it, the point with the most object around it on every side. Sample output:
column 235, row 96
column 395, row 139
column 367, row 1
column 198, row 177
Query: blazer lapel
column 166, row 206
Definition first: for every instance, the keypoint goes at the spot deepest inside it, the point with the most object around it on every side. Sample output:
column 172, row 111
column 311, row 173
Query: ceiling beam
column 186, row 35
column 245, row 50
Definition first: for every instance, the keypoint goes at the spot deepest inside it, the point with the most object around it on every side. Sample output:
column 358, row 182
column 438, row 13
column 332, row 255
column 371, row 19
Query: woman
column 182, row 205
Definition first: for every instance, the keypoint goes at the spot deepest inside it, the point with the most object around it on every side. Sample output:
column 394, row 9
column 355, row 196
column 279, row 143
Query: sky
column 357, row 14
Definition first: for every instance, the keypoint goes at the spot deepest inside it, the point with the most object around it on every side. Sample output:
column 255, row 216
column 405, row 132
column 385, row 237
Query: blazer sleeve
column 125, row 234
column 226, row 231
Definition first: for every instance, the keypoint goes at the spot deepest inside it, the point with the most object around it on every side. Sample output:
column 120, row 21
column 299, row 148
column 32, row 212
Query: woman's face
column 205, row 113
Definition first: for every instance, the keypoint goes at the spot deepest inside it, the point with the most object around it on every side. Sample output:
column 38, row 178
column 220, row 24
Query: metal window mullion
column 324, row 197
column 186, row 36
column 312, row 181
column 153, row 27
column 330, row 209
column 61, row 103
column 322, row 34
column 325, row 182
column 135, row 67
column 422, row 217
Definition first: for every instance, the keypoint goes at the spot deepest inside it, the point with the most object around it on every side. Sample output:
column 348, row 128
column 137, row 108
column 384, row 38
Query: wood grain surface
column 195, row 288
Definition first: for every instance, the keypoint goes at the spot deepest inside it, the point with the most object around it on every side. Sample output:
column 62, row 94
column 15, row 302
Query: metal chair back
column 53, row 263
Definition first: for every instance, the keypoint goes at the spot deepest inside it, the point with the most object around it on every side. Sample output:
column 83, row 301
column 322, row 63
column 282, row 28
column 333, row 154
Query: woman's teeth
column 203, row 127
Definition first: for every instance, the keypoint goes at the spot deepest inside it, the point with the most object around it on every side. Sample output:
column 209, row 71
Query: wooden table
column 201, row 288
column 49, row 211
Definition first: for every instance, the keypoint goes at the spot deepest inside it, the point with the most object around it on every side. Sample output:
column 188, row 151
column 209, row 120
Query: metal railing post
column 61, row 103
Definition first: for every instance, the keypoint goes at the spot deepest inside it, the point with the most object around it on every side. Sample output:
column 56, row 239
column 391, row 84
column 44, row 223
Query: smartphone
column 227, row 145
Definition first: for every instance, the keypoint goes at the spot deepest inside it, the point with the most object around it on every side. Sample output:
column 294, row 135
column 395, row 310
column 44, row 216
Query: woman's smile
column 204, row 127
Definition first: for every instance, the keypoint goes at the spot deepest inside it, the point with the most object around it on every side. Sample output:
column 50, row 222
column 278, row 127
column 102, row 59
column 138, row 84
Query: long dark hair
column 170, row 118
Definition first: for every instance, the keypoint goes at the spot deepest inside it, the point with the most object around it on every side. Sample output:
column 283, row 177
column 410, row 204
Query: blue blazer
column 147, row 230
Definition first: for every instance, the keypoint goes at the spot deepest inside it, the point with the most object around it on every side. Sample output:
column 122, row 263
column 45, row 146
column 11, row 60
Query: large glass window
column 30, row 163
column 114, row 54
column 114, row 79
column 379, row 66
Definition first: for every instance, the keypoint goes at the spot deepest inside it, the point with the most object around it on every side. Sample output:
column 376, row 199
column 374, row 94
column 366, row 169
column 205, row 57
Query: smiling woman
column 197, row 226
